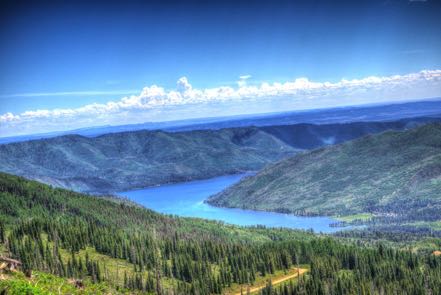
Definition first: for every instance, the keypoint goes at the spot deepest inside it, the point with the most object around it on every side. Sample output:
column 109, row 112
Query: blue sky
column 68, row 55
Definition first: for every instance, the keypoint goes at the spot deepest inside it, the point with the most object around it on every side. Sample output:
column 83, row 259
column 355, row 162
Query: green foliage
column 390, row 174
column 45, row 284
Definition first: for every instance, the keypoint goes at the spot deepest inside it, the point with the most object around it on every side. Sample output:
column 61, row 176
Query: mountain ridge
column 137, row 159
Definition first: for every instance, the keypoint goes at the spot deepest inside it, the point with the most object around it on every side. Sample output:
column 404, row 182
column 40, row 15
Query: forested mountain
column 114, row 246
column 122, row 161
column 392, row 173
column 127, row 160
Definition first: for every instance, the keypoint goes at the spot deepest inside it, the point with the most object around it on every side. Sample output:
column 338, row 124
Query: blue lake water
column 187, row 199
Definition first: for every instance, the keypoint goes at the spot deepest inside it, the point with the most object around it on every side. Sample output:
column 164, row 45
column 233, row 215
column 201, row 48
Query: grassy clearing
column 359, row 216
column 113, row 268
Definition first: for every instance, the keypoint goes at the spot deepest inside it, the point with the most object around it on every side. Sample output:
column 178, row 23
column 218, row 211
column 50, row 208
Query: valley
column 170, row 239
column 188, row 200
column 182, row 172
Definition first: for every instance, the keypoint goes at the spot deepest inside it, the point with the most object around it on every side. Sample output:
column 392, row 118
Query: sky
column 75, row 64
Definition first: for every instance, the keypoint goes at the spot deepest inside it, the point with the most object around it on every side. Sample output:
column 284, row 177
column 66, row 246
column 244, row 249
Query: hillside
column 65, row 237
column 392, row 172
column 122, row 161
column 74, row 235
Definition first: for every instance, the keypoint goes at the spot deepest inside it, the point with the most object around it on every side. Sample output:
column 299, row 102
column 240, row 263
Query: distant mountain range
column 123, row 161
column 365, row 113
column 395, row 173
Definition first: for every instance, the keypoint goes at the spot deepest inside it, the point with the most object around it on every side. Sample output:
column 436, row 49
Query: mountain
column 80, row 244
column 362, row 113
column 396, row 173
column 121, row 161
column 127, row 160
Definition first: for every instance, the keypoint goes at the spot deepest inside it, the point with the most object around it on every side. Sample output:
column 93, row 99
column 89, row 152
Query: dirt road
column 274, row 282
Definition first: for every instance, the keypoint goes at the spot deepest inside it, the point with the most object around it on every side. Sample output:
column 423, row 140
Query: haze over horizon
column 69, row 65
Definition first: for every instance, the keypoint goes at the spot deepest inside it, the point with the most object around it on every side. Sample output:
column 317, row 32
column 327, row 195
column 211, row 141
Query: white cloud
column 244, row 77
column 243, row 80
column 183, row 85
column 187, row 101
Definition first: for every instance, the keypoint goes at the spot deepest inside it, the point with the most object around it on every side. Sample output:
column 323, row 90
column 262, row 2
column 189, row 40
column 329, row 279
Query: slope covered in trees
column 76, row 236
column 393, row 173
column 121, row 161
column 127, row 160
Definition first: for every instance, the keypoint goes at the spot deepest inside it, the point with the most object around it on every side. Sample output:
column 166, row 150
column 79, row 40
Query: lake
column 187, row 199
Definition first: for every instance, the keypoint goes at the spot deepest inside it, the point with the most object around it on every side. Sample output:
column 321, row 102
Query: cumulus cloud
column 183, row 85
column 186, row 101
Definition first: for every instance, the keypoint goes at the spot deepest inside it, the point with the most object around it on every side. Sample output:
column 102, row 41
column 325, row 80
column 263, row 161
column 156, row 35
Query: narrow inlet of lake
column 187, row 199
